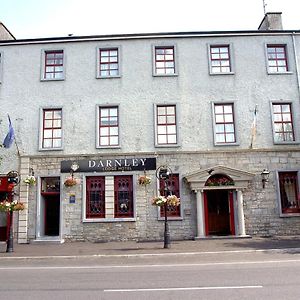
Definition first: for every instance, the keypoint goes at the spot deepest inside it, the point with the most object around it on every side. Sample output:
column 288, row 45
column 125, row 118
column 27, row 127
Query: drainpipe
column 296, row 61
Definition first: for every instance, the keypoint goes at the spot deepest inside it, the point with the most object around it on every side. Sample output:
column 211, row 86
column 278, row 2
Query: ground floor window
column 95, row 197
column 109, row 197
column 289, row 192
column 172, row 189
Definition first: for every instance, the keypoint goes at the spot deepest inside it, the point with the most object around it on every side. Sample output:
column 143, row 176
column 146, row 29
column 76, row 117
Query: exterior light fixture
column 264, row 177
column 74, row 167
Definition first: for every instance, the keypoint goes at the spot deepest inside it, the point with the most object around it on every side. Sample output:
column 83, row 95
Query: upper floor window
column 164, row 60
column 108, row 126
column 95, row 197
column 166, row 128
column 108, row 62
column 220, row 59
column 52, row 129
column 289, row 192
column 277, row 59
column 283, row 122
column 53, row 65
column 172, row 189
column 224, row 124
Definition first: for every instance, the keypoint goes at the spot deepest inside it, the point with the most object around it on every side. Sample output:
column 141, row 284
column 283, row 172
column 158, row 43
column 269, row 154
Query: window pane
column 104, row 131
column 230, row 138
column 219, row 128
column 47, row 144
column 48, row 124
column 228, row 118
column 218, row 109
column 56, row 133
column 56, row 143
column 161, row 120
column 161, row 129
column 114, row 131
column 47, row 133
column 172, row 139
column 220, row 138
column 114, row 140
column 162, row 139
column 171, row 129
column 103, row 141
column 219, row 119
column 227, row 109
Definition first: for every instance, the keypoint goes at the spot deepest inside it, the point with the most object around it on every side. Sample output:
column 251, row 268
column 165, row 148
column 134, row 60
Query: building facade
column 217, row 108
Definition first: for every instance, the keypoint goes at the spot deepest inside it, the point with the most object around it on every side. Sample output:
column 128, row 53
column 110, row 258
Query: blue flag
column 10, row 135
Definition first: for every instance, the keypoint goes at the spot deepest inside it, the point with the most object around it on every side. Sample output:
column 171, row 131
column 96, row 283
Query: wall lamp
column 74, row 167
column 264, row 177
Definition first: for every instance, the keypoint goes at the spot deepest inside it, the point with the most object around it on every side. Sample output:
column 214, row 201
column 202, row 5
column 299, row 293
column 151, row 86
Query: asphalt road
column 259, row 275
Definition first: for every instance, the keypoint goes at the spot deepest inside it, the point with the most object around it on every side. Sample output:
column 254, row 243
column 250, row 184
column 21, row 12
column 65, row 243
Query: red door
column 219, row 213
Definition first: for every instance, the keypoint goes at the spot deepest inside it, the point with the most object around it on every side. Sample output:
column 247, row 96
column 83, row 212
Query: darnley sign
column 110, row 165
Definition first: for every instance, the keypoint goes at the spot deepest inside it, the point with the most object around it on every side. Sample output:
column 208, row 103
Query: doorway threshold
column 49, row 239
column 223, row 237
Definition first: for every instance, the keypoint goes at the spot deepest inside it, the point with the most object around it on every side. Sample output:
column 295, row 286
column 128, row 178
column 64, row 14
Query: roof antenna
column 264, row 5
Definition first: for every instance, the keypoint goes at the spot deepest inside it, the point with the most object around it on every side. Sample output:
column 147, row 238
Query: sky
column 59, row 18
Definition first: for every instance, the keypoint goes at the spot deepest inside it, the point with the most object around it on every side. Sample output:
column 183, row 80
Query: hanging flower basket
column 30, row 180
column 7, row 206
column 144, row 180
column 71, row 181
column 171, row 200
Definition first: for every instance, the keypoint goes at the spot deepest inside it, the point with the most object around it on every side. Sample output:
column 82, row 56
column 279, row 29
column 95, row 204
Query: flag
column 10, row 135
column 253, row 127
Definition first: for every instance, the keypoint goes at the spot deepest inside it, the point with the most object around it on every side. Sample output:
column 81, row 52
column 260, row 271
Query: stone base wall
column 261, row 206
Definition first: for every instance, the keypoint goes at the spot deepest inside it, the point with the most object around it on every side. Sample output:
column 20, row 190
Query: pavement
column 132, row 248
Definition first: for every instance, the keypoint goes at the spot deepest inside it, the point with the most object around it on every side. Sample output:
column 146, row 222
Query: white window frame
column 98, row 146
column 288, row 58
column 43, row 66
column 108, row 47
column 174, row 46
column 231, row 58
column 41, row 129
column 296, row 141
column 233, row 103
column 108, row 192
column 156, row 129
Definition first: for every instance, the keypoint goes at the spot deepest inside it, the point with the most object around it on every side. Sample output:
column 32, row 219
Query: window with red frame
column 224, row 124
column 164, row 60
column 52, row 128
column 166, row 124
column 289, row 192
column 108, row 126
column 54, row 64
column 123, row 196
column 283, row 123
column 95, row 197
column 172, row 189
column 277, row 59
column 220, row 59
column 109, row 62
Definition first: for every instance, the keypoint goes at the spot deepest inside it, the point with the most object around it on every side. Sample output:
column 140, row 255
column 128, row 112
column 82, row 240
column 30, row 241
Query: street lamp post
column 164, row 174
column 13, row 178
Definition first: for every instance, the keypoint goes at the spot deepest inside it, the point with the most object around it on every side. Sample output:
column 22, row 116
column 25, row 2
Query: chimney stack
column 271, row 21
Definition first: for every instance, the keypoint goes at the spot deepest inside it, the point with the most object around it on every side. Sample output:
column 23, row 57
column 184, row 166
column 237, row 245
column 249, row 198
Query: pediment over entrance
column 198, row 179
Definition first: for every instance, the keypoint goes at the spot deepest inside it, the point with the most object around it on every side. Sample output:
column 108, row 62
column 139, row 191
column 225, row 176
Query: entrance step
column 48, row 240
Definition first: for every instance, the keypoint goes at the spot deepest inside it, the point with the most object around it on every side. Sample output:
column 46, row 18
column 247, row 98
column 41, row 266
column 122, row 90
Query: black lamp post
column 13, row 178
column 164, row 173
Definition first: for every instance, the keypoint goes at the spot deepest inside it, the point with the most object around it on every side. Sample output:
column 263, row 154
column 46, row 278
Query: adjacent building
column 220, row 109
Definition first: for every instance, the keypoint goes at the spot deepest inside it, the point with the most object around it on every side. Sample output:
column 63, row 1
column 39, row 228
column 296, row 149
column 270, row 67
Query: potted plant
column 30, row 180
column 144, row 180
column 7, row 206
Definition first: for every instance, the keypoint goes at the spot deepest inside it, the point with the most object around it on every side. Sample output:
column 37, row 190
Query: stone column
column 241, row 220
column 200, row 215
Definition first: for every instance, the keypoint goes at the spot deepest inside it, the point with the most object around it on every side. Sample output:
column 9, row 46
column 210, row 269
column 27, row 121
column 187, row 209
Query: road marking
column 185, row 288
column 153, row 265
column 275, row 250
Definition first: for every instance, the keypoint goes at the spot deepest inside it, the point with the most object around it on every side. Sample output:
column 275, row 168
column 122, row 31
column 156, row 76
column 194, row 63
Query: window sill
column 226, row 144
column 53, row 79
column 166, row 75
column 108, row 147
column 167, row 146
column 170, row 218
column 108, row 77
column 109, row 220
column 286, row 143
column 289, row 215
column 225, row 73
column 51, row 149
column 280, row 73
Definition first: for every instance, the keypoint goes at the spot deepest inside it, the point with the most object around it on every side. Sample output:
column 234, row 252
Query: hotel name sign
column 110, row 165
